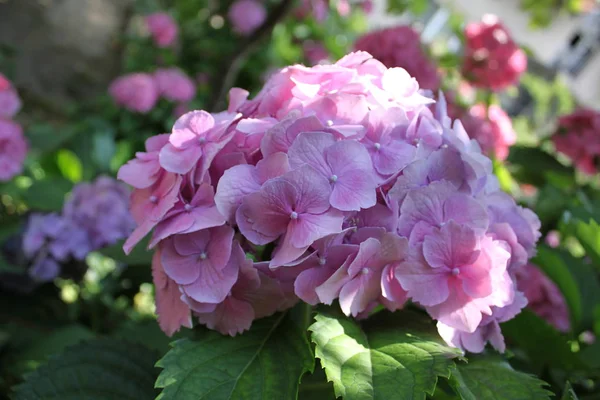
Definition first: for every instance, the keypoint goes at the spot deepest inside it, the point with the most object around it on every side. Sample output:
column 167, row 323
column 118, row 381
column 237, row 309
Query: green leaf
column 532, row 165
column 104, row 149
column 102, row 369
column 393, row 356
column 7, row 267
column 266, row 362
column 535, row 336
column 46, row 138
column 69, row 165
column 48, row 194
column 315, row 386
column 589, row 237
column 576, row 280
column 148, row 333
column 492, row 378
column 569, row 393
column 140, row 255
column 38, row 351
column 591, row 355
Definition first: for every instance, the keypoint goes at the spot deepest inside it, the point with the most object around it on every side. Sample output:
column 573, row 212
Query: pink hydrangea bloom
column 173, row 84
column 543, row 296
column 401, row 47
column 341, row 183
column 488, row 331
column 10, row 103
column 172, row 312
column 454, row 275
column 492, row 59
column 577, row 138
column 163, row 29
column 199, row 263
column 13, row 149
column 136, row 92
column 246, row 16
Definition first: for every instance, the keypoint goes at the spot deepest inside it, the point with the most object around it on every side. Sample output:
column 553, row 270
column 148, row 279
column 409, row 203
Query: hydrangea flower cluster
column 401, row 47
column 13, row 146
column 96, row 215
column 335, row 182
column 543, row 296
column 492, row 59
column 139, row 92
column 246, row 16
column 490, row 126
column 577, row 138
column 163, row 29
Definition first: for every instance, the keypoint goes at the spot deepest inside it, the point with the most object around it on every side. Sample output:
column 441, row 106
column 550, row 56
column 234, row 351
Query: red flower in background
column 490, row 126
column 492, row 59
column 578, row 137
column 401, row 47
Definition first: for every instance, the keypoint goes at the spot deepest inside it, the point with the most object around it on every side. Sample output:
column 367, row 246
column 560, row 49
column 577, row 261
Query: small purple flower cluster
column 334, row 182
column 96, row 215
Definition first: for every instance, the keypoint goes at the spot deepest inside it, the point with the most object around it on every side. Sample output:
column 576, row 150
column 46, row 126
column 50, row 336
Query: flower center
column 153, row 199
column 333, row 178
column 377, row 146
column 455, row 271
column 294, row 215
column 322, row 261
column 329, row 122
column 203, row 256
column 188, row 207
column 444, row 146
column 365, row 271
column 202, row 140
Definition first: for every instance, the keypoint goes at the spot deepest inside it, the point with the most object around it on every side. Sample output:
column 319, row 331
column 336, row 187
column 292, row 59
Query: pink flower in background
column 10, row 103
column 491, row 127
column 577, row 137
column 246, row 16
column 341, row 183
column 173, row 84
column 492, row 59
column 366, row 6
column 401, row 47
column 136, row 92
column 13, row 149
column 315, row 52
column 543, row 296
column 163, row 29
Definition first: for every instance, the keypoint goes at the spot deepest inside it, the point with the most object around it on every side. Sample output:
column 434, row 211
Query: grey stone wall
column 65, row 49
